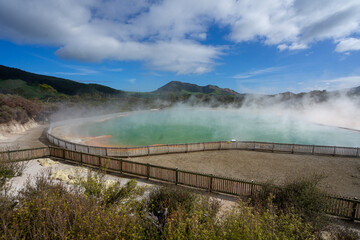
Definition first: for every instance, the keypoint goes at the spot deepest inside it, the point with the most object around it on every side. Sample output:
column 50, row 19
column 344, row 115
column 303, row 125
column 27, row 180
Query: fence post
column 88, row 148
column 292, row 148
column 273, row 146
column 8, row 153
column 48, row 148
column 176, row 176
column 210, row 183
column 147, row 171
column 121, row 162
column 148, row 148
column 99, row 161
column 81, row 157
column 357, row 152
column 168, row 148
column 106, row 151
column 187, row 147
column 252, row 188
column 203, row 146
column 334, row 150
column 354, row 209
column 313, row 150
column 63, row 151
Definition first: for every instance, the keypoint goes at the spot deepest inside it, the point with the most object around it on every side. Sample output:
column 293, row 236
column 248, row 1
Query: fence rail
column 24, row 154
column 206, row 146
column 338, row 206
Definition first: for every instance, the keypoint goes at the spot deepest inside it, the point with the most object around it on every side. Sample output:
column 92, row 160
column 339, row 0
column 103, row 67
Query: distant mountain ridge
column 14, row 76
column 181, row 87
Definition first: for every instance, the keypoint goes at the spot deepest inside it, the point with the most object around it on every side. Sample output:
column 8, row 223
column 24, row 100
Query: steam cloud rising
column 294, row 118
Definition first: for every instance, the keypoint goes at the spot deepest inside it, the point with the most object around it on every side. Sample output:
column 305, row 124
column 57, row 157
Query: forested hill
column 61, row 85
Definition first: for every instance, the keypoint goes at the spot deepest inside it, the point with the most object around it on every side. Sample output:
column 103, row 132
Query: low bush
column 244, row 222
column 14, row 107
column 300, row 195
column 5, row 114
column 95, row 185
column 51, row 211
column 170, row 198
column 48, row 209
column 9, row 170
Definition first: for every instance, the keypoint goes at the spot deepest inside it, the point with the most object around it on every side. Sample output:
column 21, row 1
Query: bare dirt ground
column 341, row 175
column 31, row 138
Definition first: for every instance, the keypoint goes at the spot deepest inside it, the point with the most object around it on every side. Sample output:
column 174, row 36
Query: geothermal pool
column 175, row 126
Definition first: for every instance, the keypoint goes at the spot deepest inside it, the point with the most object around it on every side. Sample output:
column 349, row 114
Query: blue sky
column 249, row 46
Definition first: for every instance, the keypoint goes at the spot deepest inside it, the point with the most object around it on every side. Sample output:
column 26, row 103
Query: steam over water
column 175, row 126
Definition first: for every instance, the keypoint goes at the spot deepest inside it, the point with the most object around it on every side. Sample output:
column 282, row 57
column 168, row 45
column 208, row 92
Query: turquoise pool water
column 174, row 126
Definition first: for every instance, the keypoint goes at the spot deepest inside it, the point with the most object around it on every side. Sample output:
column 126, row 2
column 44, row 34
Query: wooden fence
column 206, row 146
column 24, row 154
column 338, row 206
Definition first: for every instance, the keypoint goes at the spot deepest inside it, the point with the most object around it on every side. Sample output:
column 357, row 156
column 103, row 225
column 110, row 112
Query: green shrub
column 56, row 212
column 95, row 185
column 300, row 195
column 244, row 222
column 50, row 210
column 171, row 198
column 9, row 170
column 239, row 222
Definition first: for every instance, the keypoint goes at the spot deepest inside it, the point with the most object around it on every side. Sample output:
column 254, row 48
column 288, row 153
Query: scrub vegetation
column 9, row 170
column 17, row 108
column 94, row 209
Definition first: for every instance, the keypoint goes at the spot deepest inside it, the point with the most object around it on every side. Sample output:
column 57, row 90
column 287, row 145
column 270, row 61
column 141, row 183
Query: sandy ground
column 34, row 168
column 31, row 138
column 341, row 175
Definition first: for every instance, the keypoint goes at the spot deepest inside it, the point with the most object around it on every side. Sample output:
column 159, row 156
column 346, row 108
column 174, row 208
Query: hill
column 188, row 88
column 26, row 80
column 30, row 85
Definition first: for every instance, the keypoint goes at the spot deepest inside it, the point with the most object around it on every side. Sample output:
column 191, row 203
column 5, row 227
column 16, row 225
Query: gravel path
column 341, row 175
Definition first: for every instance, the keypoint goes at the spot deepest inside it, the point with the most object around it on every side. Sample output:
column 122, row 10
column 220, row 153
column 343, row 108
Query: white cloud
column 132, row 80
column 348, row 44
column 115, row 69
column 241, row 76
column 72, row 73
column 167, row 35
column 80, row 71
column 257, row 72
column 341, row 83
column 293, row 46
